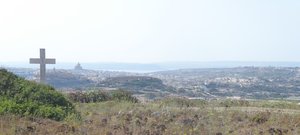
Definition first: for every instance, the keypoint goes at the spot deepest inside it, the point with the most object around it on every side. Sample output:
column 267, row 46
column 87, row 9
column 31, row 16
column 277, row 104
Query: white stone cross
column 42, row 61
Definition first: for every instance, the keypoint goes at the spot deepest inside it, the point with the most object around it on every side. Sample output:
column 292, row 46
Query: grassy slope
column 27, row 98
column 171, row 116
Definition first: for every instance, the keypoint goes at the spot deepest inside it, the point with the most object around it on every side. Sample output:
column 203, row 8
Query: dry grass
column 165, row 117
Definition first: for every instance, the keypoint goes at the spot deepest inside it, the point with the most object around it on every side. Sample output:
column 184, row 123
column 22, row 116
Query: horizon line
column 159, row 62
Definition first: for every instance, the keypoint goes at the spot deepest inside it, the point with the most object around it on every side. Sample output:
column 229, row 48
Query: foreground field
column 169, row 116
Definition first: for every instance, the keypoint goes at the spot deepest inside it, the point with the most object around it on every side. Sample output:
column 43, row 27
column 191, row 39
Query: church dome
column 78, row 67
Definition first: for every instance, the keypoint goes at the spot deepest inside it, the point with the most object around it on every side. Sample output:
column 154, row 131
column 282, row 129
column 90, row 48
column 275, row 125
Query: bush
column 88, row 97
column 235, row 103
column 121, row 95
column 26, row 98
column 179, row 102
column 100, row 96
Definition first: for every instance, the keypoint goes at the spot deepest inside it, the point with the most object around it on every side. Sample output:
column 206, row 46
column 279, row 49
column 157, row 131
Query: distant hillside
column 136, row 83
column 64, row 79
column 85, row 80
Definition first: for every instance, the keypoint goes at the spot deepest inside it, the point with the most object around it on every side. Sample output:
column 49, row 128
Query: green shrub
column 121, row 95
column 100, row 96
column 181, row 102
column 235, row 103
column 26, row 98
column 88, row 97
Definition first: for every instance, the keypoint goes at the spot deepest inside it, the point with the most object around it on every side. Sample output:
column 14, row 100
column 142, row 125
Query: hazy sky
column 149, row 31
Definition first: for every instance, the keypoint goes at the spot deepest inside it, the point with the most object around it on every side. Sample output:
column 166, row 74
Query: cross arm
column 50, row 61
column 34, row 61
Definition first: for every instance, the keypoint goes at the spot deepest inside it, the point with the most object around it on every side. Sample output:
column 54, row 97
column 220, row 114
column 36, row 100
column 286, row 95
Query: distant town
column 203, row 83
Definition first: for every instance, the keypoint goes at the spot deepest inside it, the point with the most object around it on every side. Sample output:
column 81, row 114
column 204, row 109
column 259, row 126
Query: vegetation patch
column 26, row 98
column 101, row 96
column 236, row 103
column 155, row 118
column 181, row 102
